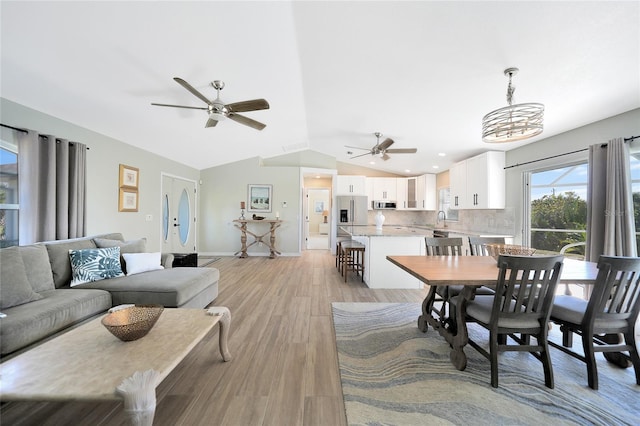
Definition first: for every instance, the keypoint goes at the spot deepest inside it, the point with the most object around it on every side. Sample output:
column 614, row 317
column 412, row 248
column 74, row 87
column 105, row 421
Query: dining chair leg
column 545, row 357
column 590, row 360
column 493, row 353
column 630, row 339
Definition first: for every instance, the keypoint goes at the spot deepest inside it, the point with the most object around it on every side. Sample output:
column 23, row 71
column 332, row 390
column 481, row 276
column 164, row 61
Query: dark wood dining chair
column 443, row 246
column 521, row 304
column 612, row 309
column 476, row 244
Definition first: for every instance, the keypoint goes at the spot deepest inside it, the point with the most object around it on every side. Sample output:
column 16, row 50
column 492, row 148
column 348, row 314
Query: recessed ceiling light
column 436, row 167
column 372, row 162
column 318, row 177
column 442, row 154
column 407, row 171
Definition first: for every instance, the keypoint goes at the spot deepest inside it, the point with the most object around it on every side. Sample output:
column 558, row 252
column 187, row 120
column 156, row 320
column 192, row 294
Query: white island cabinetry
column 378, row 271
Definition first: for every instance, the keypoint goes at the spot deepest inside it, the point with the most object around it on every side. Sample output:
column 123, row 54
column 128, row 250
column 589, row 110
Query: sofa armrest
column 166, row 260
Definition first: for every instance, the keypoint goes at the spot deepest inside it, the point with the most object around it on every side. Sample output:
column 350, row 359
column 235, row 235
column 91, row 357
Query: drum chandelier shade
column 514, row 122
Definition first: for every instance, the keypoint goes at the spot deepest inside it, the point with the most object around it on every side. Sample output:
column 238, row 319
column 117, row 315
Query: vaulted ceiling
column 421, row 73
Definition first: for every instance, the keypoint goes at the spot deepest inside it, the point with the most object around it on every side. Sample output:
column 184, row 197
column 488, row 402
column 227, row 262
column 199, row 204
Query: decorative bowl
column 132, row 323
column 256, row 217
column 496, row 250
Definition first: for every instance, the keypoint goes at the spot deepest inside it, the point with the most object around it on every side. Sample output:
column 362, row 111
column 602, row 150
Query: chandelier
column 514, row 122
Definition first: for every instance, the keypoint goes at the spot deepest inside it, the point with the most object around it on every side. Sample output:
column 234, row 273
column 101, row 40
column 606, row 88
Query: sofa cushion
column 133, row 246
column 59, row 255
column 170, row 288
column 95, row 264
column 142, row 262
column 14, row 284
column 36, row 261
column 58, row 309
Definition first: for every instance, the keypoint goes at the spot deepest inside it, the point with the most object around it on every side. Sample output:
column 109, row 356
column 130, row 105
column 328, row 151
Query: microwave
column 384, row 205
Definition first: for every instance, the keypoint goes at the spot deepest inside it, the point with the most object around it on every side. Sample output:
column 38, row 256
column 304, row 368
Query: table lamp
column 325, row 213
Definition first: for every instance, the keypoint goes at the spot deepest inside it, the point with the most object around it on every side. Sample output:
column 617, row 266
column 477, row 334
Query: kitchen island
column 393, row 240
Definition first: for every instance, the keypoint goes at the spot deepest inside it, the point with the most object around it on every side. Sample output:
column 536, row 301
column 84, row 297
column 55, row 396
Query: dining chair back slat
column 443, row 246
column 477, row 244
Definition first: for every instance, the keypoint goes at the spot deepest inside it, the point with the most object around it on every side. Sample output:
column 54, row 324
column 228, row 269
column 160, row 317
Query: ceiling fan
column 382, row 149
column 218, row 111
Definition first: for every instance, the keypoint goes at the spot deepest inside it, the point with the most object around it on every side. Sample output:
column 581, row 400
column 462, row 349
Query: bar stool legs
column 352, row 258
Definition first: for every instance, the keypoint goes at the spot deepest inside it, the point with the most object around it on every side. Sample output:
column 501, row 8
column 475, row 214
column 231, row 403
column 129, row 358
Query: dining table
column 471, row 272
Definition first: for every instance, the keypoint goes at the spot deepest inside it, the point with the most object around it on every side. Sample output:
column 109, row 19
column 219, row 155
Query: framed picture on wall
column 260, row 198
column 319, row 207
column 128, row 200
column 129, row 177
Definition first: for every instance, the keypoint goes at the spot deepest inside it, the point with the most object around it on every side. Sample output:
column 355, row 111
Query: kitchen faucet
column 444, row 218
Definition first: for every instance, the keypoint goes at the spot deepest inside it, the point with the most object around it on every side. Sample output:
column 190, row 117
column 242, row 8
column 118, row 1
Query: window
column 635, row 188
column 9, row 197
column 445, row 206
column 558, row 208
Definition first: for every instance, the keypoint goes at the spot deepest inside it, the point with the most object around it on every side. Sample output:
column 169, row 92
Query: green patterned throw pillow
column 94, row 264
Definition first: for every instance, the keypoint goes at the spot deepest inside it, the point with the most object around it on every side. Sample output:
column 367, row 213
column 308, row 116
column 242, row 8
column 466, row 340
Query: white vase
column 379, row 220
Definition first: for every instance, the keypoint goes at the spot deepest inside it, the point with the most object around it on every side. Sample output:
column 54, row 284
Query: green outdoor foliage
column 562, row 211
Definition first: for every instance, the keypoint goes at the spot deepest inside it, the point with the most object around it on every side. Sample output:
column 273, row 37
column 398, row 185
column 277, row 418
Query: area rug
column 393, row 374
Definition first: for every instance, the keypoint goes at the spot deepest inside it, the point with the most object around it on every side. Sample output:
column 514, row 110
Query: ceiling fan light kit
column 514, row 122
column 382, row 149
column 218, row 111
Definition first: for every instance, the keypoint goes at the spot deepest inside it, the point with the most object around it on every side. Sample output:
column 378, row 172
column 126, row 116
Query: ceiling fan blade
column 246, row 121
column 402, row 151
column 361, row 155
column 179, row 106
column 385, row 144
column 252, row 105
column 211, row 123
column 192, row 90
column 385, row 157
column 357, row 147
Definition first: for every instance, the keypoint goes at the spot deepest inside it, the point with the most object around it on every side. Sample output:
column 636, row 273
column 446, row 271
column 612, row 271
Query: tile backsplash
column 500, row 221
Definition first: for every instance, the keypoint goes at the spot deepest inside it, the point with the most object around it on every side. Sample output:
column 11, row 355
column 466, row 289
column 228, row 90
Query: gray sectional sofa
column 37, row 301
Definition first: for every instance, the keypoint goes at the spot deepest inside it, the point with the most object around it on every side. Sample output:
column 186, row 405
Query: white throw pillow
column 142, row 262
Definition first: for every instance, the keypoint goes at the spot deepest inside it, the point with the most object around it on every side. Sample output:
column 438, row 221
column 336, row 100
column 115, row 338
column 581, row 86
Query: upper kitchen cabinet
column 351, row 185
column 478, row 182
column 417, row 193
column 384, row 189
column 426, row 192
column 458, row 185
column 486, row 181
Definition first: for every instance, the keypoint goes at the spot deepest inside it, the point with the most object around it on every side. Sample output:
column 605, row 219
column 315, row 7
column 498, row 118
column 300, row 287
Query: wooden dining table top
column 480, row 270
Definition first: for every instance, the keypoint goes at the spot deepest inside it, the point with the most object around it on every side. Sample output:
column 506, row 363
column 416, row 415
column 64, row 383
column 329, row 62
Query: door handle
column 176, row 224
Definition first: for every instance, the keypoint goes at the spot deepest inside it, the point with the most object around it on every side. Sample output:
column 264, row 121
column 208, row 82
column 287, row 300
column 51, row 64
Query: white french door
column 178, row 215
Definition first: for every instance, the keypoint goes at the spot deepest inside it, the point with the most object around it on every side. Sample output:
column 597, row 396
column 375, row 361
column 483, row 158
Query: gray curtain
column 52, row 176
column 610, row 220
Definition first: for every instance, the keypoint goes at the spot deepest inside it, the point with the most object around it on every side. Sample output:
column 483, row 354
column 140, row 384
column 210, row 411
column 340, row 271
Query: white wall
column 623, row 125
column 222, row 190
column 103, row 160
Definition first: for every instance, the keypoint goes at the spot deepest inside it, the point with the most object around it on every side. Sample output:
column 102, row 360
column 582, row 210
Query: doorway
column 178, row 215
column 317, row 220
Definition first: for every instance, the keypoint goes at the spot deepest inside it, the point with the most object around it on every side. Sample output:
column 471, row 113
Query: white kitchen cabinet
column 384, row 189
column 369, row 188
column 426, row 194
column 458, row 185
column 478, row 182
column 401, row 192
column 486, row 181
column 351, row 185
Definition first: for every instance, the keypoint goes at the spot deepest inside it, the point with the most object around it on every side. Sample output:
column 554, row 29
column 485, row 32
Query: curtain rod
column 566, row 153
column 24, row 131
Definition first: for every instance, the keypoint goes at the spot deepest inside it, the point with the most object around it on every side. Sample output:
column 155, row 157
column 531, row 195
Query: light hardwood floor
column 284, row 369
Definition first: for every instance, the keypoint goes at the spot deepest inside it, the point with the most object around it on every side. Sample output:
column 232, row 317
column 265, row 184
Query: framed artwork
column 260, row 198
column 128, row 200
column 319, row 207
column 129, row 177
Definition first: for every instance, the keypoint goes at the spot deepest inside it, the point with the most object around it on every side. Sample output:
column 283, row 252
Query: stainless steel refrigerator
column 352, row 210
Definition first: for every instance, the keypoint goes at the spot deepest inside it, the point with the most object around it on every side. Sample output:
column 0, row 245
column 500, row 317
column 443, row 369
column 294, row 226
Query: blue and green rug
column 393, row 374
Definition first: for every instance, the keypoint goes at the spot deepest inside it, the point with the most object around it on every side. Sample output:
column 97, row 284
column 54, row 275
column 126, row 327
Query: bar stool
column 352, row 258
column 339, row 256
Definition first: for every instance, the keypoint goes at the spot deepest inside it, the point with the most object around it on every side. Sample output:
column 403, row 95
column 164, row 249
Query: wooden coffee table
column 89, row 363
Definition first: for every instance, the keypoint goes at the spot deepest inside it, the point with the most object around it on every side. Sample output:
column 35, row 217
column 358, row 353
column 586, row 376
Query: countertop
column 409, row 231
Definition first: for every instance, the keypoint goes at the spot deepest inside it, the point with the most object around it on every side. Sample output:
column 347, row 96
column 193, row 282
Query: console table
column 274, row 224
